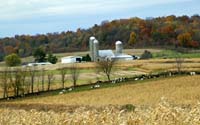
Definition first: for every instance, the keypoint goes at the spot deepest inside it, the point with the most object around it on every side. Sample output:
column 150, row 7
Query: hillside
column 170, row 31
column 108, row 105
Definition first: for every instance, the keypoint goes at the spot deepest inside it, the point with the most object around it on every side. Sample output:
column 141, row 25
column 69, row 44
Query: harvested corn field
column 164, row 113
column 173, row 101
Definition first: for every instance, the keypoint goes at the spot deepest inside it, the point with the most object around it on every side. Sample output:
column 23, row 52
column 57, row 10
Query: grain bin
column 91, row 47
column 96, row 49
column 118, row 47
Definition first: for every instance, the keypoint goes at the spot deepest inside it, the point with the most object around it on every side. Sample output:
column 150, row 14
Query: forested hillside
column 173, row 31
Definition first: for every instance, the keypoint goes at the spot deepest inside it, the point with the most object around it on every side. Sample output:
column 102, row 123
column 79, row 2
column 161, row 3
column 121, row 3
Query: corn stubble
column 164, row 113
column 182, row 108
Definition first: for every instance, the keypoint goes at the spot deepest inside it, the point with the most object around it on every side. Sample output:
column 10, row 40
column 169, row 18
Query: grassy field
column 122, row 69
column 173, row 54
column 171, row 101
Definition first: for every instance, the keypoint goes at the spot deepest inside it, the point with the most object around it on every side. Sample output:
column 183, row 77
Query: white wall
column 68, row 60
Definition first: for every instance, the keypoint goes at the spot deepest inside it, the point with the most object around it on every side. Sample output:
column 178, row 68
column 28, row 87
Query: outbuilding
column 39, row 64
column 71, row 59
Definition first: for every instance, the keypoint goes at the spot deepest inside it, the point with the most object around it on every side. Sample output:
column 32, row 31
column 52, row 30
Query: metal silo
column 91, row 47
column 96, row 49
column 118, row 47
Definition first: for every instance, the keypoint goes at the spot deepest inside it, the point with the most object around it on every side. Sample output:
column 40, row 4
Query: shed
column 123, row 57
column 71, row 59
column 39, row 64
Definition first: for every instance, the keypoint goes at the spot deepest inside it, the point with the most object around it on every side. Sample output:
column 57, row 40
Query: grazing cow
column 113, row 81
column 60, row 93
column 95, row 86
column 70, row 89
column 170, row 74
column 192, row 73
column 136, row 79
column 64, row 90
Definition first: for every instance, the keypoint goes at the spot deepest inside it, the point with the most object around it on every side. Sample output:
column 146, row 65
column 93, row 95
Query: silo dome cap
column 96, row 41
column 92, row 38
column 118, row 42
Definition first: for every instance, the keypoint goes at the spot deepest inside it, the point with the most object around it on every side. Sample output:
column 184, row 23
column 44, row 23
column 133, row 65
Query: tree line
column 21, row 81
column 182, row 31
column 15, row 82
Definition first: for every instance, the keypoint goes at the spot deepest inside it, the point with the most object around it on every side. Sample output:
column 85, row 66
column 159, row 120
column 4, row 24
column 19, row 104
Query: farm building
column 71, row 59
column 97, row 54
column 39, row 64
column 106, row 53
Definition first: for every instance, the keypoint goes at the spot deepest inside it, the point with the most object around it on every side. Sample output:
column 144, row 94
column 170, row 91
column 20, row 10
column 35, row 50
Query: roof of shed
column 67, row 57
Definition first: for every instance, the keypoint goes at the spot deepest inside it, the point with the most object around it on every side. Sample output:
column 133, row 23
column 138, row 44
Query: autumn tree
column 9, row 50
column 132, row 38
column 184, row 39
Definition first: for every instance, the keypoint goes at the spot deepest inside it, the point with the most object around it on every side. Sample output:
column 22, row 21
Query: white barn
column 97, row 54
column 71, row 59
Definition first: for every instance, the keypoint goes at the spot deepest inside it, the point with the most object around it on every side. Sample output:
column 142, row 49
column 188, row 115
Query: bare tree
column 27, row 84
column 4, row 82
column 97, row 72
column 74, row 73
column 106, row 67
column 179, row 61
column 50, row 77
column 16, row 81
column 39, row 72
column 63, row 72
column 32, row 73
column 11, row 80
column 23, row 80
column 43, row 77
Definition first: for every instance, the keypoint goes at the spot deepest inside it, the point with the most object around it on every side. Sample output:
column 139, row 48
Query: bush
column 39, row 54
column 12, row 60
column 86, row 58
column 128, row 107
column 52, row 59
column 146, row 55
